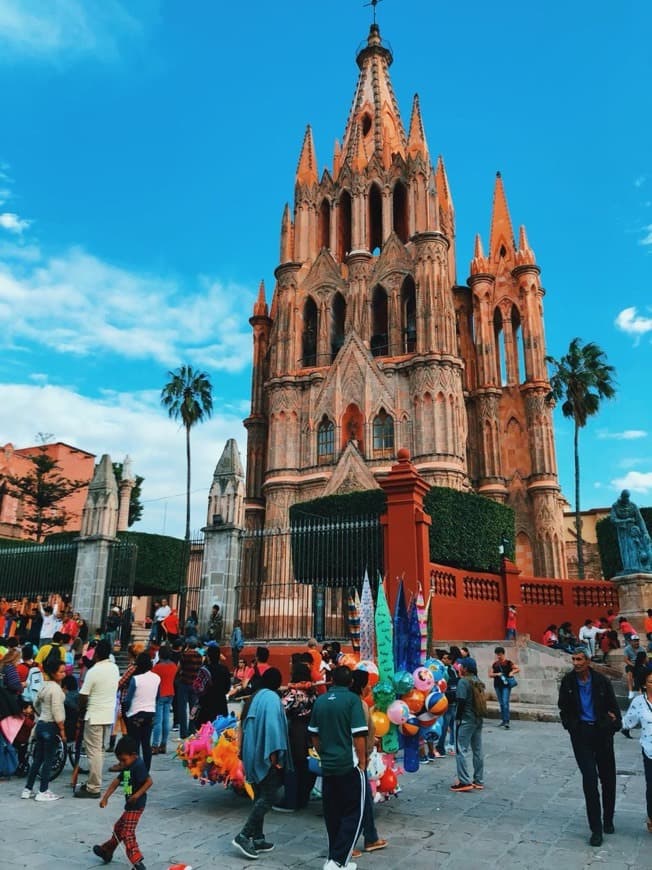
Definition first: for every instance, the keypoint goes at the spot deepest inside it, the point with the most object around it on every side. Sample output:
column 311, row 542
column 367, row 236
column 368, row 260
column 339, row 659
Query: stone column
column 98, row 534
column 635, row 598
column 220, row 573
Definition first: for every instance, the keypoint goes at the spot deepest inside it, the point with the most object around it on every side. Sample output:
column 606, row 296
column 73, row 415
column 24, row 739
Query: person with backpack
column 50, row 708
column 52, row 649
column 448, row 719
column 211, row 685
column 471, row 707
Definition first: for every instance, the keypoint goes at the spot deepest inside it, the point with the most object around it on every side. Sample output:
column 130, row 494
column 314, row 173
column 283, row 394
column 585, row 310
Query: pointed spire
column 501, row 242
column 307, row 168
column 479, row 263
column 337, row 158
column 260, row 305
column 229, row 462
column 441, row 180
column 524, row 255
column 417, row 137
column 287, row 236
column 375, row 108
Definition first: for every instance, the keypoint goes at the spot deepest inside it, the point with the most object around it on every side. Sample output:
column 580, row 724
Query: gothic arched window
column 383, row 433
column 325, row 440
column 344, row 225
column 324, row 230
column 375, row 222
column 379, row 323
column 499, row 347
column 338, row 315
column 309, row 337
column 400, row 212
column 408, row 316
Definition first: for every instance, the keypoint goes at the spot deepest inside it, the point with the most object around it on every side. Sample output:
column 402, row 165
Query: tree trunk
column 187, row 483
column 578, row 518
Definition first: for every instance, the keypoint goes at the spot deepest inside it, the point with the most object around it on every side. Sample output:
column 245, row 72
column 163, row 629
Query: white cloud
column 636, row 481
column 647, row 238
column 75, row 303
column 626, row 435
column 134, row 423
column 66, row 29
column 13, row 223
column 640, row 180
column 628, row 320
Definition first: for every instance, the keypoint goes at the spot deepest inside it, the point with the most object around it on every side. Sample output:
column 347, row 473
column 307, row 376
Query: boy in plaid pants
column 135, row 781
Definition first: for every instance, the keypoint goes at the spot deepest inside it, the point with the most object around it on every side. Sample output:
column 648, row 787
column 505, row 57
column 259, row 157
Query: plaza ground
column 531, row 815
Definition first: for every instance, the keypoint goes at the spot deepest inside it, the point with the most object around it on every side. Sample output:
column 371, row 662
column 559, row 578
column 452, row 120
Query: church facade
column 370, row 343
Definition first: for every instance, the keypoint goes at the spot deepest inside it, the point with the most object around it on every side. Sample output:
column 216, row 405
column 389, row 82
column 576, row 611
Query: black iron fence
column 297, row 582
column 28, row 570
column 190, row 588
column 121, row 576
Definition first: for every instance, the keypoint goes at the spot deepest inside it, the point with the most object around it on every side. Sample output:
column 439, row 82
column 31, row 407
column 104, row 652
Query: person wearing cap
column 632, row 649
column 589, row 712
column 469, row 729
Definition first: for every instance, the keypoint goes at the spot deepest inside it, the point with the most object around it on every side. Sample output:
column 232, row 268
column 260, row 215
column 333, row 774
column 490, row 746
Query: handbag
column 511, row 682
column 314, row 763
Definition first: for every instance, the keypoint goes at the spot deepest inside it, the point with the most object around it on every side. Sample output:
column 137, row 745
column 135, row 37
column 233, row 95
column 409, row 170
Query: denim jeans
column 469, row 740
column 161, row 728
column 502, row 695
column 185, row 698
column 139, row 726
column 448, row 724
column 45, row 748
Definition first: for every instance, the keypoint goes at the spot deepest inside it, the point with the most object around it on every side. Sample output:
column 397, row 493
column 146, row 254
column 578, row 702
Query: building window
column 338, row 319
column 379, row 323
column 409, row 316
column 375, row 219
column 324, row 230
column 325, row 440
column 344, row 222
column 383, row 434
column 309, row 337
column 400, row 212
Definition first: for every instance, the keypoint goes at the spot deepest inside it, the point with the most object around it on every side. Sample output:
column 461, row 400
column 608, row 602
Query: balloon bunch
column 383, row 776
column 211, row 755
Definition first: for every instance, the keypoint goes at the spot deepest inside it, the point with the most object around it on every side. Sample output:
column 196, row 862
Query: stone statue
column 633, row 537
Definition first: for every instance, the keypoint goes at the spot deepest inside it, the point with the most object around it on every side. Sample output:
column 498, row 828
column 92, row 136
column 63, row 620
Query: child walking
column 135, row 781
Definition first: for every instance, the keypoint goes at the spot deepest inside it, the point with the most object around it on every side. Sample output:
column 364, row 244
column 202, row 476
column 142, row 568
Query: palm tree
column 188, row 397
column 582, row 378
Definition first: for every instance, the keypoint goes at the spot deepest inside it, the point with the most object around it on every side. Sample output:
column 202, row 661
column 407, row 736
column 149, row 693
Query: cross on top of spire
column 373, row 4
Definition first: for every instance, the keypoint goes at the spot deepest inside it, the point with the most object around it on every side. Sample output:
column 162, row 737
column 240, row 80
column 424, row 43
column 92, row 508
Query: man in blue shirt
column 590, row 713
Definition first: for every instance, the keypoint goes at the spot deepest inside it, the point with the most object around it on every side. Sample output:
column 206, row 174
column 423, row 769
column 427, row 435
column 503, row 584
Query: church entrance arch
column 353, row 427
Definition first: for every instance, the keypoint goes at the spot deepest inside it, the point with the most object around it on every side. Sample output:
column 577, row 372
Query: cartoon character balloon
column 424, row 679
column 398, row 712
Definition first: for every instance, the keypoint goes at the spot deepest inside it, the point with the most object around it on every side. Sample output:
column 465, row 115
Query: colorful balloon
column 436, row 702
column 403, row 682
column 384, row 694
column 442, row 685
column 423, row 679
column 411, row 727
column 387, row 781
column 437, row 667
column 381, row 722
column 349, row 661
column 427, row 720
column 398, row 712
column 372, row 670
column 415, row 700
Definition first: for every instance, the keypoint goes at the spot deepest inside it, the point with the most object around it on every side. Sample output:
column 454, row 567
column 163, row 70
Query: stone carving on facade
column 633, row 537
column 351, row 473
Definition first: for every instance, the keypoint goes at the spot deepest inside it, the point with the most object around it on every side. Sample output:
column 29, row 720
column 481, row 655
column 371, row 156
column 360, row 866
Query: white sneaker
column 26, row 794
column 47, row 796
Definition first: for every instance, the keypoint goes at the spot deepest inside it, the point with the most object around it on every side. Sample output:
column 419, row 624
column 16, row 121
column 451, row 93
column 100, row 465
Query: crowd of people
column 68, row 686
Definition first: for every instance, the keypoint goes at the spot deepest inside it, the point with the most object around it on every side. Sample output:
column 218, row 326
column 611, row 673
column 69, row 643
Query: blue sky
column 148, row 148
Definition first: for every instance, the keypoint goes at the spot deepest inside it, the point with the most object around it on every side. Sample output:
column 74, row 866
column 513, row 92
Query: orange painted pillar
column 406, row 528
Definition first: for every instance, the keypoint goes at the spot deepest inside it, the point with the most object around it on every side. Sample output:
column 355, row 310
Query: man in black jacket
column 590, row 714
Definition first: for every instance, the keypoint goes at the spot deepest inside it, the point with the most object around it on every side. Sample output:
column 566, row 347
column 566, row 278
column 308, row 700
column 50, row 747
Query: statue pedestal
column 634, row 596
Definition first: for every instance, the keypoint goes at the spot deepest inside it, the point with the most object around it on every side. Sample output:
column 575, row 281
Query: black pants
column 139, row 727
column 647, row 764
column 343, row 799
column 594, row 753
column 264, row 796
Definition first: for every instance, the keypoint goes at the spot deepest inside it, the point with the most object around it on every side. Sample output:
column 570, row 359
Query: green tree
column 42, row 492
column 135, row 504
column 188, row 397
column 581, row 379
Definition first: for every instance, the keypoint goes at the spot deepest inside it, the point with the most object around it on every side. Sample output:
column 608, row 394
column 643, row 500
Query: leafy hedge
column 367, row 502
column 160, row 563
column 608, row 543
column 467, row 529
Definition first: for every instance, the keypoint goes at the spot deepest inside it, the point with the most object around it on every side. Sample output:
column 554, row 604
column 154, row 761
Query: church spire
column 375, row 108
column 443, row 190
column 501, row 242
column 307, row 168
column 479, row 263
column 260, row 305
column 524, row 254
column 417, row 137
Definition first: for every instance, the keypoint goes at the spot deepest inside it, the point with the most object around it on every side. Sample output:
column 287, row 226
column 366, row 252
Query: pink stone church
column 372, row 342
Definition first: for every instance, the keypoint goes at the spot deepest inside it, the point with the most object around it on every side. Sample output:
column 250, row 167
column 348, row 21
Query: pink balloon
column 424, row 679
column 398, row 712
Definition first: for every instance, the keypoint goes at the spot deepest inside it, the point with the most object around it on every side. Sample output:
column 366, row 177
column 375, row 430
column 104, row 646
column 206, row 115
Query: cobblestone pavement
column 531, row 815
